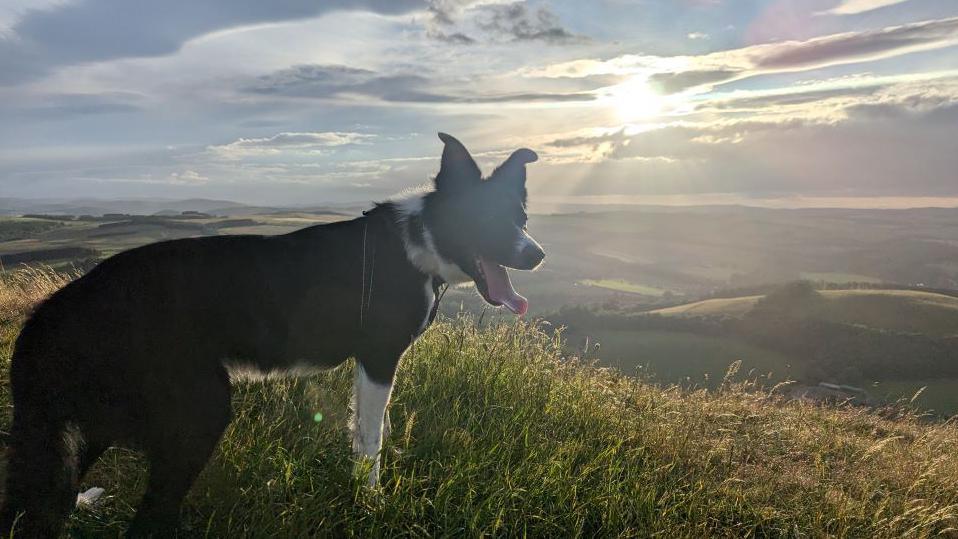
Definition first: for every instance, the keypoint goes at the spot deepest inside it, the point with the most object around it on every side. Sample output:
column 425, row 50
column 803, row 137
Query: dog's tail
column 42, row 476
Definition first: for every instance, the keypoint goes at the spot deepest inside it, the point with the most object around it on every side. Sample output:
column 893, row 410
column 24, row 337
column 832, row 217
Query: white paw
column 370, row 467
column 89, row 496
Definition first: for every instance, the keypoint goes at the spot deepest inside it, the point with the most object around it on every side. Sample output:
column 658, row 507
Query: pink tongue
column 500, row 288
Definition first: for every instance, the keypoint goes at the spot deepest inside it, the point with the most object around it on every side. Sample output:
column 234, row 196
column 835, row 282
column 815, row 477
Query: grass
column 621, row 285
column 496, row 432
column 24, row 287
column 684, row 358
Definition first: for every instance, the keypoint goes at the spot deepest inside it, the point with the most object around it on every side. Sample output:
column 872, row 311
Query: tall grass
column 496, row 433
column 22, row 288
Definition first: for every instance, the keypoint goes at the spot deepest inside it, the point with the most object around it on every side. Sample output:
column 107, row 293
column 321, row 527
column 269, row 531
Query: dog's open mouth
column 496, row 288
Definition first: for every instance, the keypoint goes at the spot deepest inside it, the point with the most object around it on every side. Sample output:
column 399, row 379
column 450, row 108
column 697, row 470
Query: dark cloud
column 97, row 30
column 517, row 22
column 726, row 66
column 457, row 38
column 763, row 102
column 445, row 12
column 851, row 46
column 441, row 25
column 325, row 81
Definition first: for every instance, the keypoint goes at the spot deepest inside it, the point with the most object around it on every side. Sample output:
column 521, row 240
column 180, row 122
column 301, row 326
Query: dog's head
column 479, row 225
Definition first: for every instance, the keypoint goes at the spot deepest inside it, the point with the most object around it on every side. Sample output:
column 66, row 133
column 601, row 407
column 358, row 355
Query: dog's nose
column 531, row 256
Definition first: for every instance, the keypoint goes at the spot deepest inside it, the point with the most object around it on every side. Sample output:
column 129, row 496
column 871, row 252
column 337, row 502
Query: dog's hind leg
column 42, row 477
column 370, row 399
column 182, row 443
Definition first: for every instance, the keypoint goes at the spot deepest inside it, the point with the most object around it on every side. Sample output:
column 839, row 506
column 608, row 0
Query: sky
column 300, row 102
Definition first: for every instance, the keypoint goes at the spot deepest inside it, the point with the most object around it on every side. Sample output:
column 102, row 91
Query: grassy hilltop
column 496, row 432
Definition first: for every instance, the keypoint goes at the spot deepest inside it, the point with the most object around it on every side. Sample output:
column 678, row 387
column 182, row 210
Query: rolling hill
column 910, row 311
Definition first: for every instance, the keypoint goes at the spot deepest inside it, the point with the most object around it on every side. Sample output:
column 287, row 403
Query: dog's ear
column 457, row 169
column 512, row 172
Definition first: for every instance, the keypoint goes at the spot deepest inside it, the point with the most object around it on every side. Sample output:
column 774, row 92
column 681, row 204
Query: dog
column 142, row 349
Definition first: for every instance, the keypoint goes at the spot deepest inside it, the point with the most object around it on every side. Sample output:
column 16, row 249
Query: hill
column 894, row 310
column 894, row 342
column 497, row 432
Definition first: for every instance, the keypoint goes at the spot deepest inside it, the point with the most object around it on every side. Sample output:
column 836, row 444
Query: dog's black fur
column 136, row 352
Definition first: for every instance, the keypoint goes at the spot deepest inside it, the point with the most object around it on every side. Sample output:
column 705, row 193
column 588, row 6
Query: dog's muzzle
column 529, row 255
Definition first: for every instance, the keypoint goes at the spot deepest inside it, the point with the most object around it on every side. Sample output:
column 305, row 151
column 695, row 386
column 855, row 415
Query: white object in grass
column 89, row 496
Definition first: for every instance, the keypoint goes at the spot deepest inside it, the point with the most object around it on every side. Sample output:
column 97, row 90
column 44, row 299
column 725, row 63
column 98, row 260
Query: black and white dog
column 140, row 351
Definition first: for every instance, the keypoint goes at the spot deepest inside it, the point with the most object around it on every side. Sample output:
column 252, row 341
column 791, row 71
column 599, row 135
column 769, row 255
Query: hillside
column 895, row 310
column 892, row 342
column 497, row 432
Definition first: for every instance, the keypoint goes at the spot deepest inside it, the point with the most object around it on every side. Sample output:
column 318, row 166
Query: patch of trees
column 166, row 222
column 48, row 216
column 18, row 230
column 230, row 223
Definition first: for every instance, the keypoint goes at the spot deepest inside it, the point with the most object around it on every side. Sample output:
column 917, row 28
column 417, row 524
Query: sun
column 634, row 100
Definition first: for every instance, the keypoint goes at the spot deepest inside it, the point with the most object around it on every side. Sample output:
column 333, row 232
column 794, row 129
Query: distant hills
column 153, row 206
column 91, row 206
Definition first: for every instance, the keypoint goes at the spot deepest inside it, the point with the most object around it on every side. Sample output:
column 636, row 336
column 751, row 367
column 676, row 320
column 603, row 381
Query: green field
column 621, row 285
column 721, row 306
column 895, row 310
column 682, row 358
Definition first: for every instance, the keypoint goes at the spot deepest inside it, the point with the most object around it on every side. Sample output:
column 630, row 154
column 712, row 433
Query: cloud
column 895, row 140
column 314, row 142
column 66, row 106
column 698, row 35
column 670, row 83
column 854, row 7
column 442, row 21
column 457, row 38
column 517, row 22
column 329, row 81
column 778, row 100
column 457, row 21
column 857, row 46
column 98, row 30
column 681, row 73
column 187, row 177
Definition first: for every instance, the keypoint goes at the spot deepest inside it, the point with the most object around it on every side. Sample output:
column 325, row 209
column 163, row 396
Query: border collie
column 140, row 351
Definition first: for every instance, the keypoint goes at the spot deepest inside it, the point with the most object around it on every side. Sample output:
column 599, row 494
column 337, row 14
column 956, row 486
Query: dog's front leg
column 370, row 399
